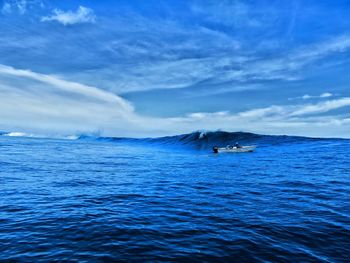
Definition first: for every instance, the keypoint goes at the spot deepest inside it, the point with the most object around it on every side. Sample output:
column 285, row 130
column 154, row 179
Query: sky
column 146, row 68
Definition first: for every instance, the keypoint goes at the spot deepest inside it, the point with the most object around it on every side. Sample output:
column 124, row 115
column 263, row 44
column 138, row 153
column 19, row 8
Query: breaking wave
column 42, row 136
column 206, row 140
column 196, row 140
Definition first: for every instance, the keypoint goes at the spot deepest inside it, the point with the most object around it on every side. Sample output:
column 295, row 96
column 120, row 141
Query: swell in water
column 198, row 141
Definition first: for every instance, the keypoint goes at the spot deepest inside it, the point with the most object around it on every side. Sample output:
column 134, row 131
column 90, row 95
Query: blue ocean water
column 171, row 199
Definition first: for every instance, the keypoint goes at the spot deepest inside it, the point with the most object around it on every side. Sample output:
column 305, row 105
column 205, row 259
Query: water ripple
column 109, row 201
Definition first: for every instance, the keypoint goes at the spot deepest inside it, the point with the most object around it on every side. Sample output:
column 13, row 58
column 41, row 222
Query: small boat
column 234, row 149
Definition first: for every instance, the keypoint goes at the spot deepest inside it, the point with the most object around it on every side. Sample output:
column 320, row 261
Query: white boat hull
column 243, row 149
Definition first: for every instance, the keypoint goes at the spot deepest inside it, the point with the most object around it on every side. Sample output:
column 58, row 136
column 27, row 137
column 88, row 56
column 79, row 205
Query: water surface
column 171, row 199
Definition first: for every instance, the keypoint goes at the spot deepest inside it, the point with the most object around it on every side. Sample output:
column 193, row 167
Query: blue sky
column 151, row 68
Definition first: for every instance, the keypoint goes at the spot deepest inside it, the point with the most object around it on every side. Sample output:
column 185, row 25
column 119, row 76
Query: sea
column 97, row 199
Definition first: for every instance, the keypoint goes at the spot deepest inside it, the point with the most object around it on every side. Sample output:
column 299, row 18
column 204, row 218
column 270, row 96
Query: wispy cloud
column 287, row 119
column 66, row 85
column 82, row 15
column 326, row 95
column 322, row 107
column 222, row 67
column 230, row 13
column 131, row 52
column 288, row 67
column 288, row 111
column 20, row 6
column 6, row 8
column 32, row 102
column 307, row 96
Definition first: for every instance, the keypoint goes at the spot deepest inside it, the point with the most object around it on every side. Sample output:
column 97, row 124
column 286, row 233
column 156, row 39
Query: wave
column 206, row 140
column 39, row 136
column 22, row 134
column 197, row 140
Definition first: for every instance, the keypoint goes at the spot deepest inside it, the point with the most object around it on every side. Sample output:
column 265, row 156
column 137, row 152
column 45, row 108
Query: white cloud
column 66, row 85
column 204, row 115
column 290, row 120
column 263, row 112
column 36, row 102
column 289, row 111
column 82, row 15
column 326, row 95
column 33, row 102
column 320, row 50
column 322, row 107
column 307, row 96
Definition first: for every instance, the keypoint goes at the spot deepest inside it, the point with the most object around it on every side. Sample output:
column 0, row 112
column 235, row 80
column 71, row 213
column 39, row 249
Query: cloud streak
column 37, row 102
column 321, row 96
column 67, row 85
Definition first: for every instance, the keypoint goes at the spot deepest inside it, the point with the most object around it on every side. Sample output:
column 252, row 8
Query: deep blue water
column 171, row 199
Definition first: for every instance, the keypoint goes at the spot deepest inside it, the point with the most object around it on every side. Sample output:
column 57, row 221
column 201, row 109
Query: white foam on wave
column 71, row 137
column 202, row 135
column 17, row 134
column 29, row 135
